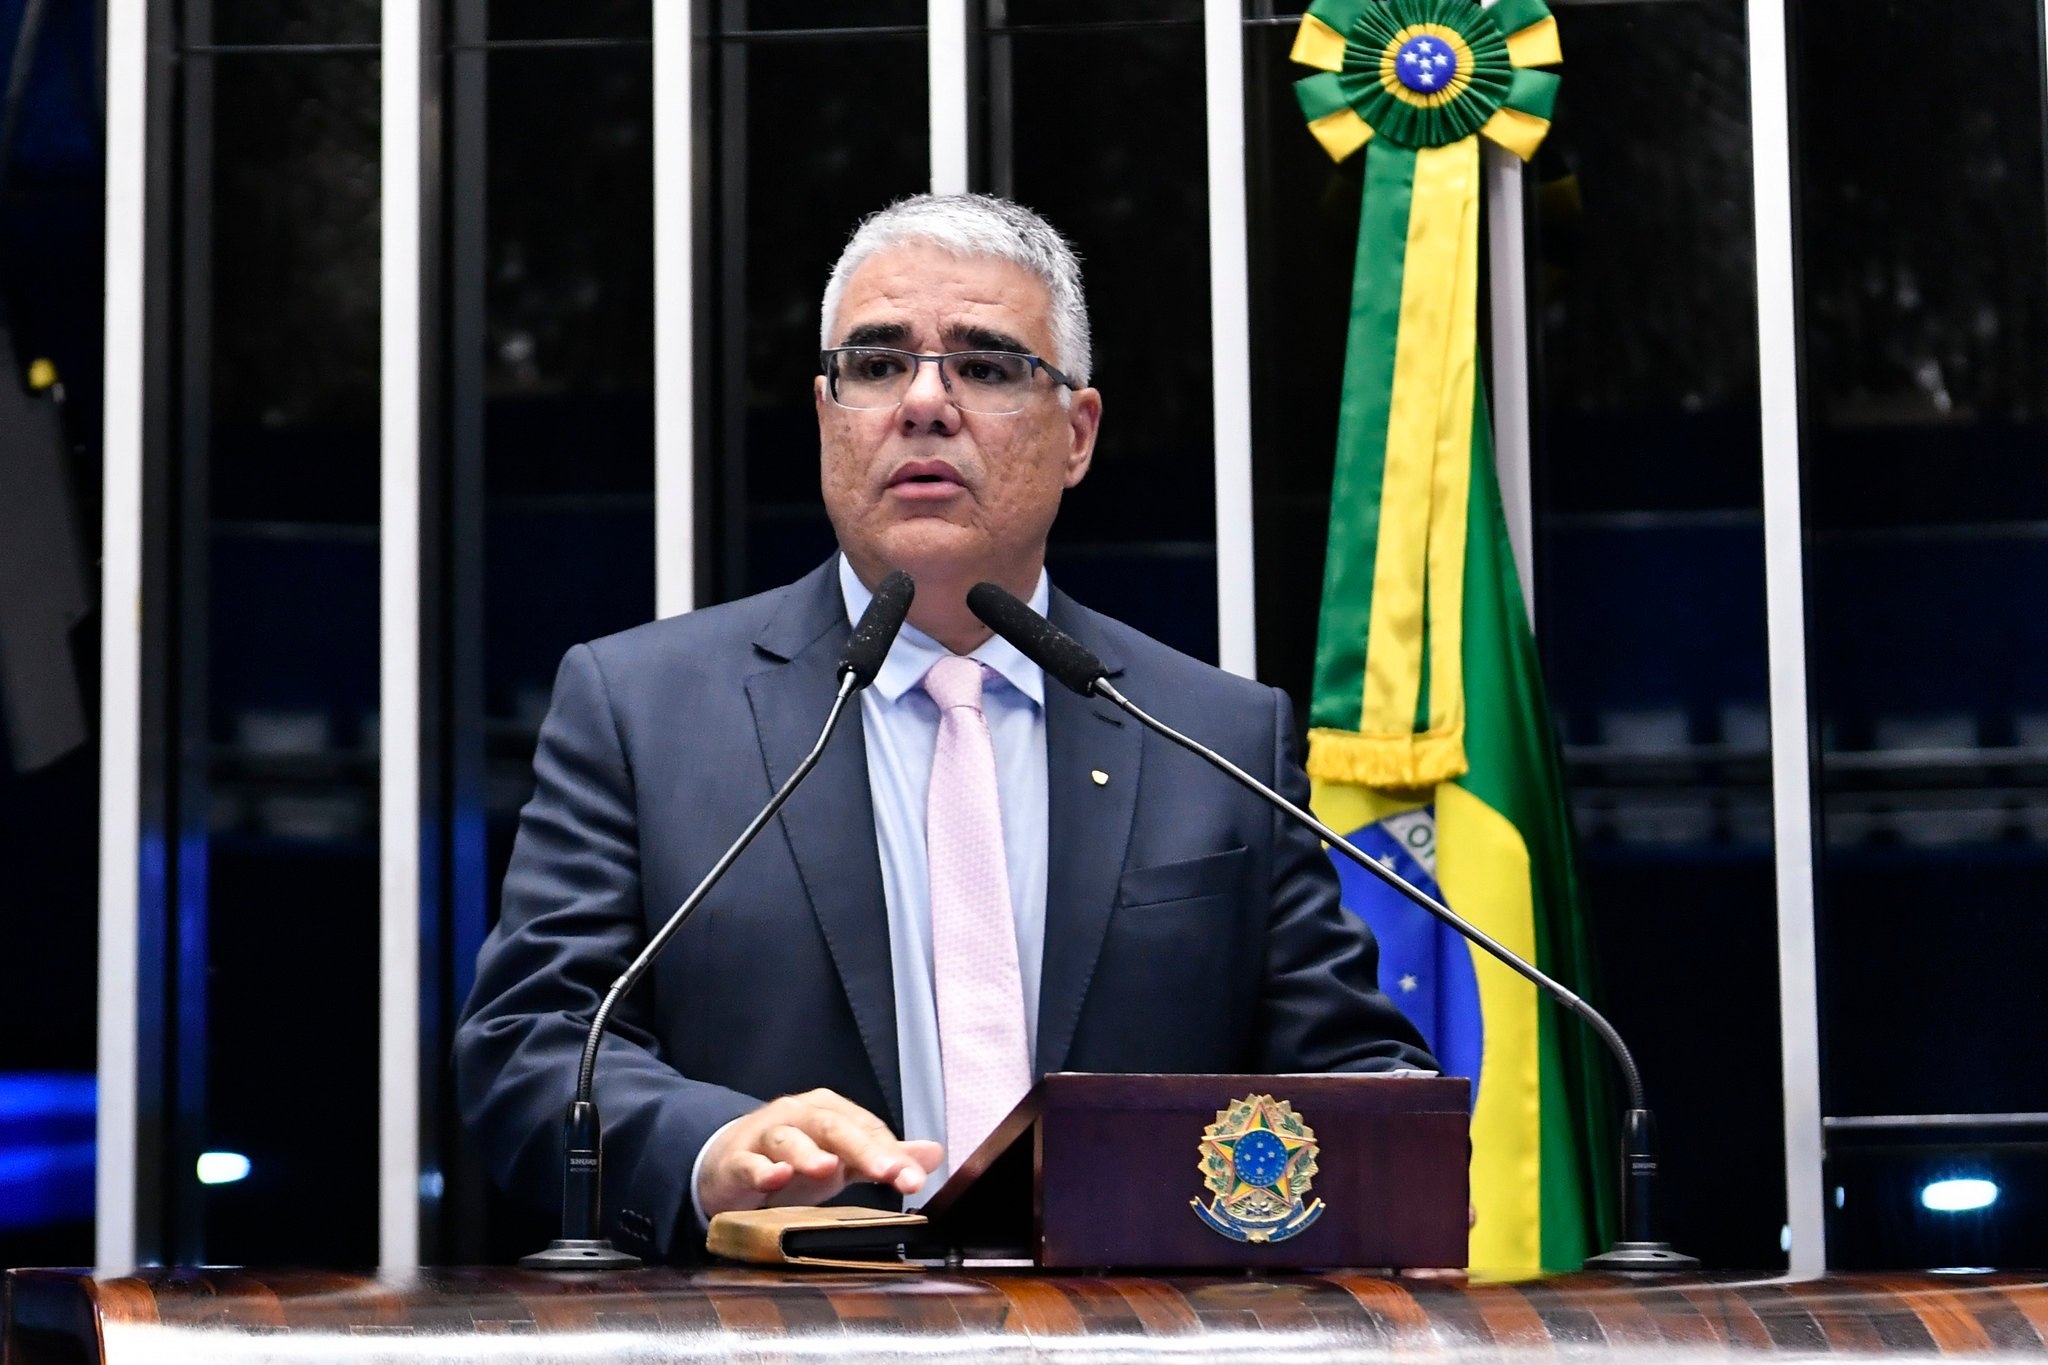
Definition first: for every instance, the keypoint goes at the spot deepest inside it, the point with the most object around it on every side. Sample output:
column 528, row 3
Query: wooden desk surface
column 505, row 1315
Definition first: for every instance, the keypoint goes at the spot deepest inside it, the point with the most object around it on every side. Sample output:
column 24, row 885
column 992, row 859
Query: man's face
column 950, row 496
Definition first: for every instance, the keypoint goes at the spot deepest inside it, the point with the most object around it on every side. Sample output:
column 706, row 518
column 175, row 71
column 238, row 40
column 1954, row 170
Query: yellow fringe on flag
column 1410, row 762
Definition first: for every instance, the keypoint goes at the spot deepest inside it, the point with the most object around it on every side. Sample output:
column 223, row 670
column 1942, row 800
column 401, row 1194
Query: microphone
column 1067, row 659
column 876, row 629
column 582, row 1245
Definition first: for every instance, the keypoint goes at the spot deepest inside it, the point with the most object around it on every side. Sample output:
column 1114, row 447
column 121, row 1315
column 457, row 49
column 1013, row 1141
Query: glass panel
column 780, row 16
column 795, row 176
column 1089, row 14
column 1924, row 295
column 1650, row 586
column 280, row 349
column 552, row 418
column 568, row 375
column 254, row 22
column 527, row 20
column 1138, row 538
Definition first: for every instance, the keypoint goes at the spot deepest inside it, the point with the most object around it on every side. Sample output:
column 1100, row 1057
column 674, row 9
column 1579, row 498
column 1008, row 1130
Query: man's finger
column 869, row 1154
column 790, row 1143
column 837, row 1103
column 925, row 1156
column 762, row 1174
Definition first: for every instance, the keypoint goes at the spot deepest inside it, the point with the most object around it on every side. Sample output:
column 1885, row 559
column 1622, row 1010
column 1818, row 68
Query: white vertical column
column 946, row 51
column 1785, row 606
column 1230, row 343
column 398, row 706
column 675, row 308
column 1507, row 250
column 120, row 816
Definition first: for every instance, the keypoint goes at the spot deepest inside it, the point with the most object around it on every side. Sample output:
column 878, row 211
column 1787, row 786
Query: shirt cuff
column 697, row 1171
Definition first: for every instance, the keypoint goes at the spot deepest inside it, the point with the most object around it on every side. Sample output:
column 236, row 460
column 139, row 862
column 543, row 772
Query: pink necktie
column 974, row 940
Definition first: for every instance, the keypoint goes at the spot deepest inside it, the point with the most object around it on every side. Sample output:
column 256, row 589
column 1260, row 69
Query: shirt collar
column 914, row 652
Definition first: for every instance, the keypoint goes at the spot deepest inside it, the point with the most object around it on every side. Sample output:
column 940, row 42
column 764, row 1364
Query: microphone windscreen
column 876, row 629
column 1038, row 639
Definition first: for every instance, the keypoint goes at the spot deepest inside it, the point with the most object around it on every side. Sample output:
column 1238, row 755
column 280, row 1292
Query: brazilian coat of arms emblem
column 1258, row 1159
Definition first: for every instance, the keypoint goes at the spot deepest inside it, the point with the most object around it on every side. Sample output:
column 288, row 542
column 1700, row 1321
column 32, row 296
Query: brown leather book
column 840, row 1237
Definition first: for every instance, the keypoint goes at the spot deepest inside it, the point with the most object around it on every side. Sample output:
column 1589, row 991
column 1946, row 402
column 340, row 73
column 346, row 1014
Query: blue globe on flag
column 1425, row 967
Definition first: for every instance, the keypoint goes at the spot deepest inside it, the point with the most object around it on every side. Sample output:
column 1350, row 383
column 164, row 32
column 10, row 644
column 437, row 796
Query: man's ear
column 1084, row 420
column 818, row 391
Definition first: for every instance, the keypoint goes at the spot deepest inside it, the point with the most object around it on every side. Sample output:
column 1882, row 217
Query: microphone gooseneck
column 1067, row 659
column 582, row 1245
column 586, row 1073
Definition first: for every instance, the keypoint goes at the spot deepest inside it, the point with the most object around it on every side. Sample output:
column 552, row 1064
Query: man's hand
column 803, row 1149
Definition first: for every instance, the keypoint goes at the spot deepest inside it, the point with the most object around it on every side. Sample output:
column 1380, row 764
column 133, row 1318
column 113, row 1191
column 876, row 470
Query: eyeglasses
column 867, row 378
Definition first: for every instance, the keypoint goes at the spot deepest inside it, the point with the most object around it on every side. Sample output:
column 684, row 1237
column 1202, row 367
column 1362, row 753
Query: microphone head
column 1038, row 639
column 876, row 630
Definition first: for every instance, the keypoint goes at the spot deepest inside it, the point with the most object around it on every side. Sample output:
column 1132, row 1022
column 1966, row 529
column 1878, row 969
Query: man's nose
column 926, row 405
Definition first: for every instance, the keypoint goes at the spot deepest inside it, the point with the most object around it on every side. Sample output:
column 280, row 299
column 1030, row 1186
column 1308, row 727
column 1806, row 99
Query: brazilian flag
column 1430, row 740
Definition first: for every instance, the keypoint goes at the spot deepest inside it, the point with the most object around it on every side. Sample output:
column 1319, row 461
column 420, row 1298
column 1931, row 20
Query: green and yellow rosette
column 1416, row 83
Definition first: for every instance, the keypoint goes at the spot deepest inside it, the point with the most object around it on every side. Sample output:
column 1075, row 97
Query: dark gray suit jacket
column 1188, row 928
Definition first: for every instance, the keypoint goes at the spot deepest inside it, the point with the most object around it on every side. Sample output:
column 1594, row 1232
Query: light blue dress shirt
column 901, row 729
column 901, row 726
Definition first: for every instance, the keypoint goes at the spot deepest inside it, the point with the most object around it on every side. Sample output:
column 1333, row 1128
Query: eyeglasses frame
column 917, row 359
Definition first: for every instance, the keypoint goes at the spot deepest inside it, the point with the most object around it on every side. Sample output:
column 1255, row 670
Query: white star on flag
column 1409, row 983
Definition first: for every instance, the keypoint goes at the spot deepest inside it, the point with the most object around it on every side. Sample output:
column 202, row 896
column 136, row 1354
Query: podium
column 1216, row 1172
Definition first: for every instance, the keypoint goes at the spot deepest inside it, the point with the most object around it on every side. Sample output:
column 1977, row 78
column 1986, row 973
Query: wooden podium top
column 232, row 1316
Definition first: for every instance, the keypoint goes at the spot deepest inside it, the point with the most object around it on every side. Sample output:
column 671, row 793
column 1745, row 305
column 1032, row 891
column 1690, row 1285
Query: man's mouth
column 934, row 475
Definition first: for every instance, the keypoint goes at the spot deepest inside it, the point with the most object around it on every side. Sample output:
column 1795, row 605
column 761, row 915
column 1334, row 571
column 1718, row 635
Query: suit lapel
column 830, row 823
column 1088, row 833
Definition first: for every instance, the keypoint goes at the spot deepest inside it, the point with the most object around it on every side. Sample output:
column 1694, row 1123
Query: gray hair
column 976, row 225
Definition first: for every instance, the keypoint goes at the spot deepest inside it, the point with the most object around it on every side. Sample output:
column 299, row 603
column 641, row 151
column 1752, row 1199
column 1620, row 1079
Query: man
column 986, row 878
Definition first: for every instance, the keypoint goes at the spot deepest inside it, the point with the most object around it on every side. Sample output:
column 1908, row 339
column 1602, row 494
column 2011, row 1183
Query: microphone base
column 1637, row 1258
column 580, row 1253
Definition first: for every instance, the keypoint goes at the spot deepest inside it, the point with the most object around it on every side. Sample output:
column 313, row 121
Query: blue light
column 46, row 1096
column 45, row 1184
column 222, row 1168
column 46, row 1148
column 1959, row 1196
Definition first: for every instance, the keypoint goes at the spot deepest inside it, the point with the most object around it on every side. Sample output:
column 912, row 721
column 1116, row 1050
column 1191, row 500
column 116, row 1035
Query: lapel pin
column 1100, row 777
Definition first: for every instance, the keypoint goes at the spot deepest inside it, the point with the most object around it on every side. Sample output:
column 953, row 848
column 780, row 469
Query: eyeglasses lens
column 977, row 381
